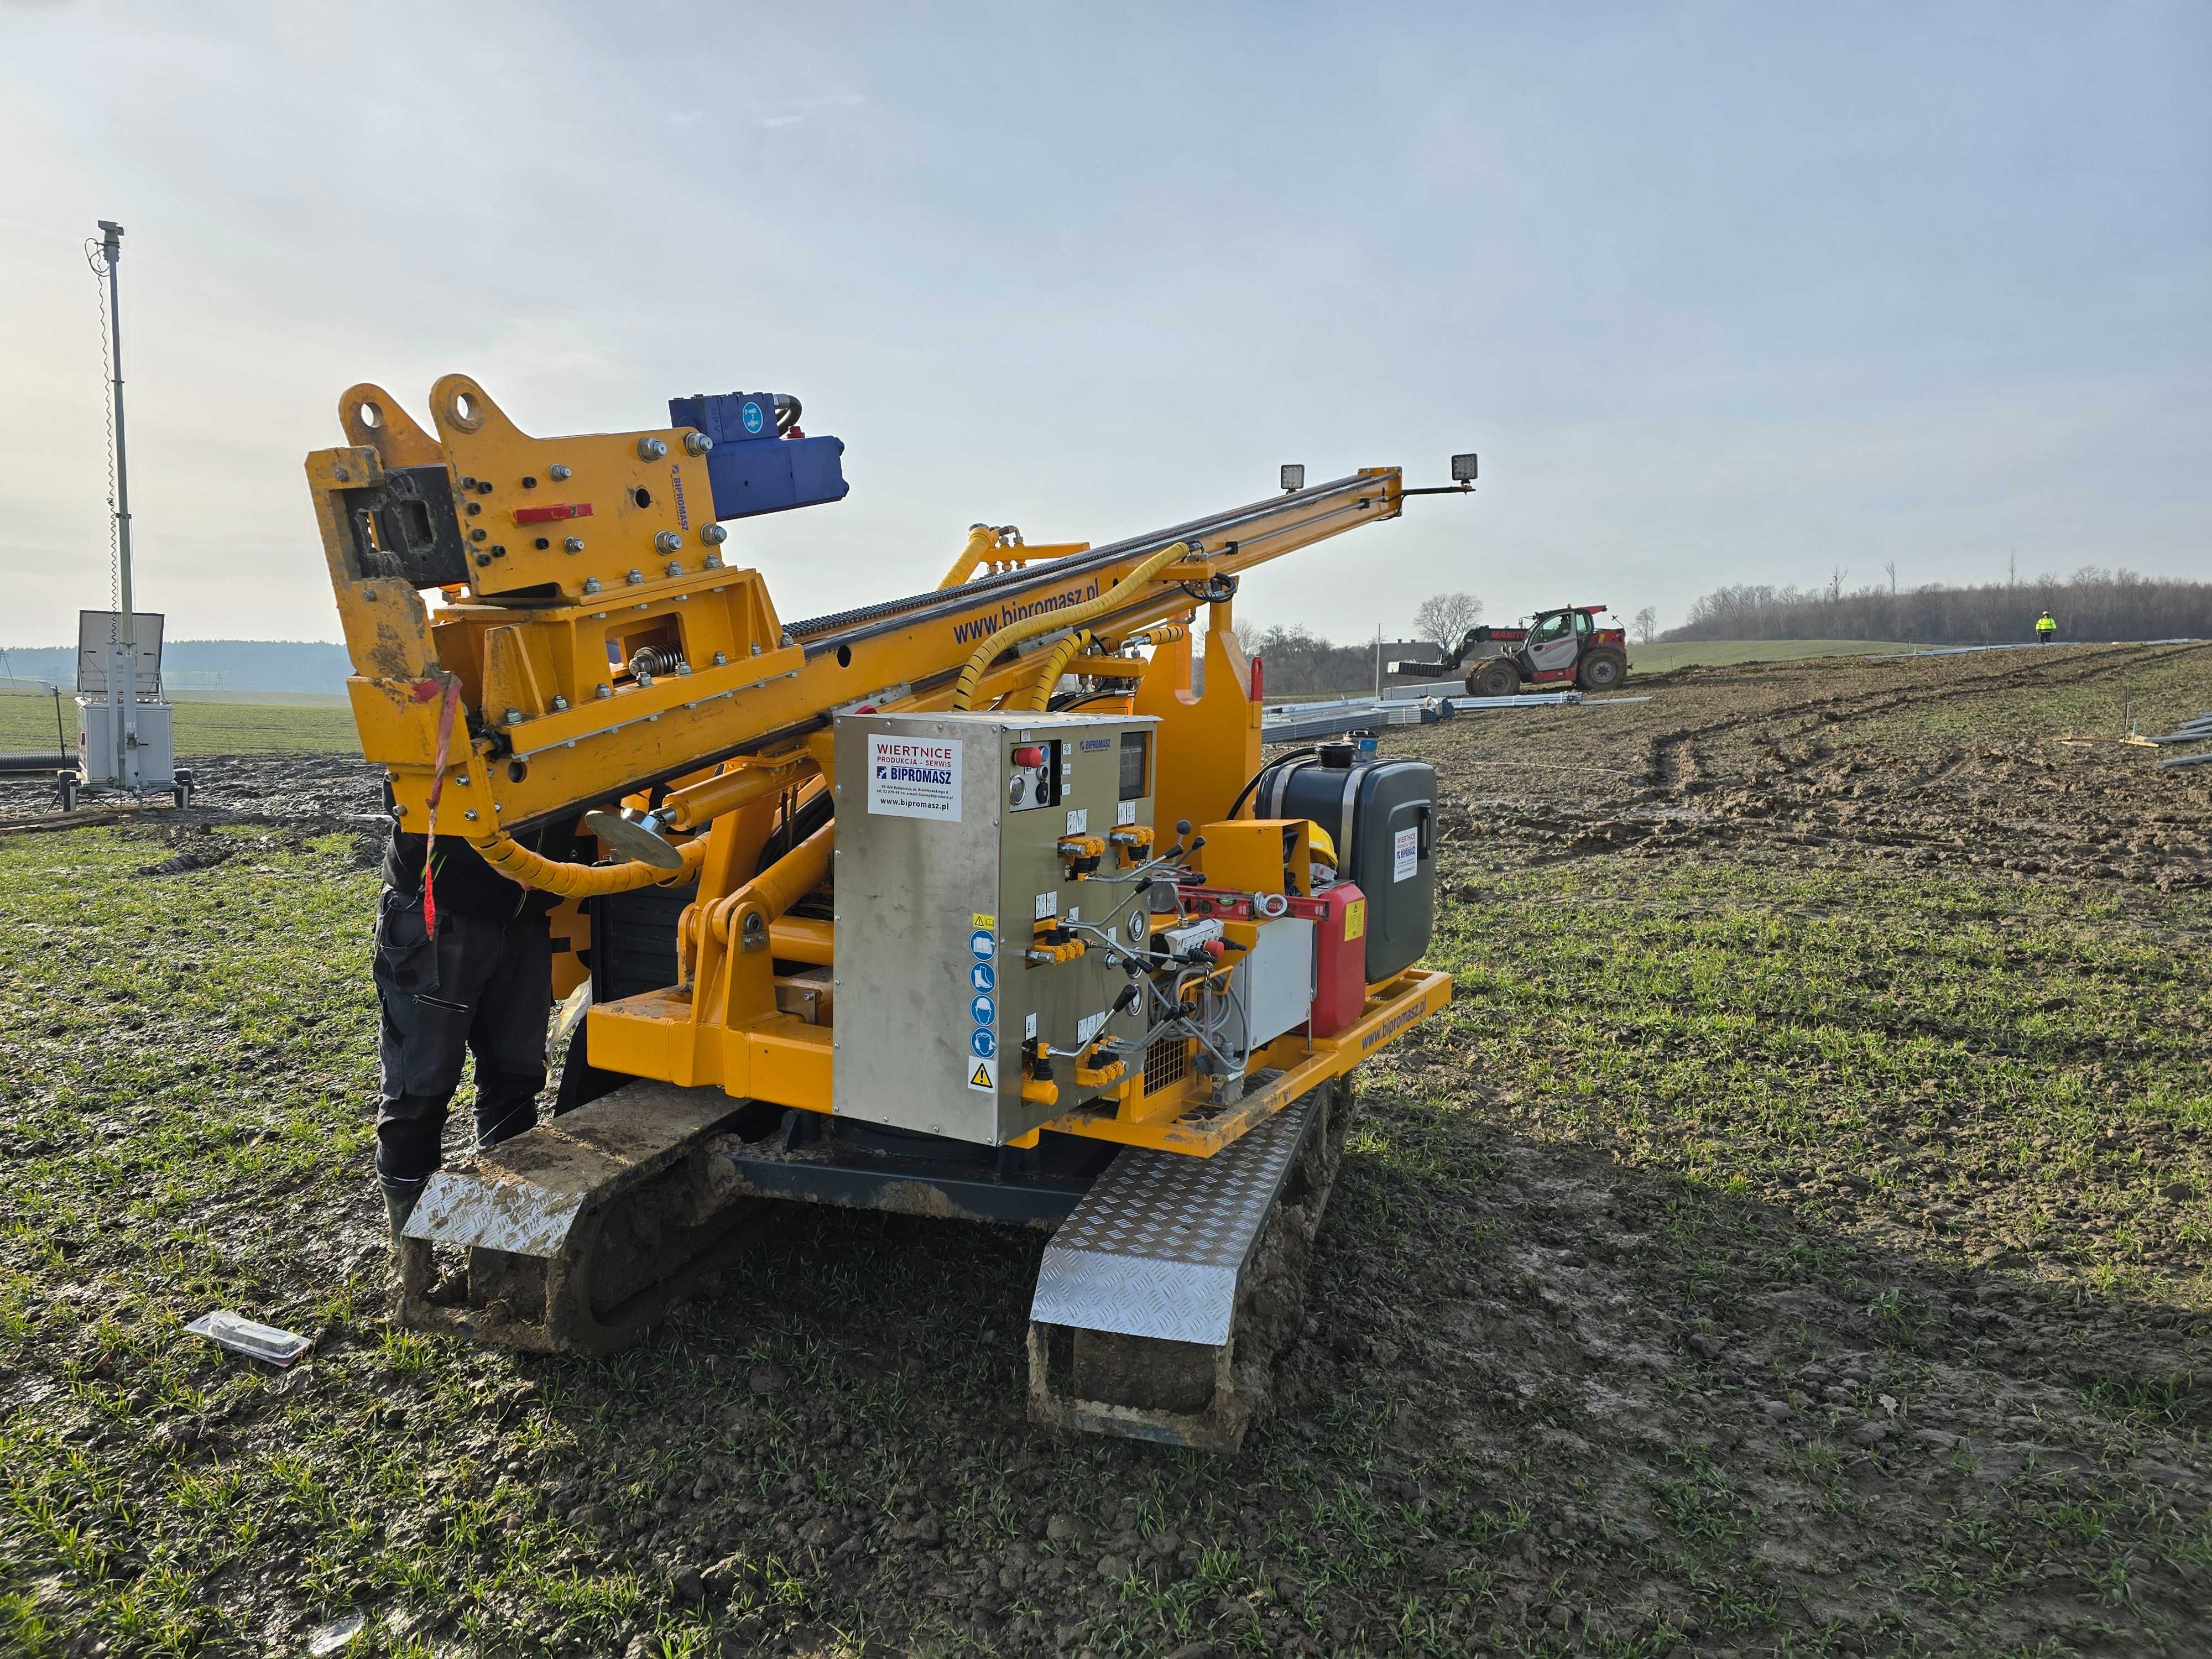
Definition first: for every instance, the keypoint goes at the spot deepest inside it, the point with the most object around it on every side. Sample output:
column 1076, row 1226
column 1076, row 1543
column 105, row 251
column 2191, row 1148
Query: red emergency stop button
column 1214, row 948
column 1029, row 754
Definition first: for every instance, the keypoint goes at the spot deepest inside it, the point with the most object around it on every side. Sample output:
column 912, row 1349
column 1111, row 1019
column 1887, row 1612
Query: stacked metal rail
column 2197, row 729
column 1300, row 722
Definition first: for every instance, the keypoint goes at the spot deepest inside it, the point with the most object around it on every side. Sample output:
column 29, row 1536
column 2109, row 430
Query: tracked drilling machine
column 948, row 905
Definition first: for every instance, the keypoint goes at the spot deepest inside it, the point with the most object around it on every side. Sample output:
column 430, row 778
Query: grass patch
column 269, row 725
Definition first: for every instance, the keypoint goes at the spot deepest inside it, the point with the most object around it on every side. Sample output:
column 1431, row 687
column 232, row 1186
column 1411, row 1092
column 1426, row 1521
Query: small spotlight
column 1462, row 469
column 1294, row 477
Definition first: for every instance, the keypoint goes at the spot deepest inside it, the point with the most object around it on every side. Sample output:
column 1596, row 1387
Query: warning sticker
column 984, row 1076
column 1355, row 920
column 914, row 777
column 1406, row 850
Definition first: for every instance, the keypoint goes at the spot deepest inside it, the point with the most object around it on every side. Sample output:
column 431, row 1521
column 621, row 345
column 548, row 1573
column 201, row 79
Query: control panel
column 989, row 906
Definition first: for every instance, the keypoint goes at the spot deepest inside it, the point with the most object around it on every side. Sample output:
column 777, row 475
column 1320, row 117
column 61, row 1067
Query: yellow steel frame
column 552, row 727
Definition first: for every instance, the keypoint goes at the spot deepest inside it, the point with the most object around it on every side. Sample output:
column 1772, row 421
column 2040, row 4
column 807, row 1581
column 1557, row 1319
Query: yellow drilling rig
column 958, row 905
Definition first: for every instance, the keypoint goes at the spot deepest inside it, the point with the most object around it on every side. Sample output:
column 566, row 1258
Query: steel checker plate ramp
column 514, row 1216
column 524, row 1195
column 1157, row 1245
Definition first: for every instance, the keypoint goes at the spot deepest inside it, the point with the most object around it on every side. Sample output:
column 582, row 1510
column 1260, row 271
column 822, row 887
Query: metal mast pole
column 124, row 702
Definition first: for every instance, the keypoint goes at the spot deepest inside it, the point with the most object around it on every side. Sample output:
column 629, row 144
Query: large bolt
column 651, row 449
column 721, row 660
column 591, row 583
column 557, row 473
column 712, row 534
column 635, row 578
column 696, row 443
column 668, row 541
column 515, row 717
column 573, row 544
column 560, row 702
column 602, row 689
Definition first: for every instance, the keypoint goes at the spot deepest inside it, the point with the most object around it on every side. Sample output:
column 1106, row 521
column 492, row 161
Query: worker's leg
column 424, row 992
column 508, row 1035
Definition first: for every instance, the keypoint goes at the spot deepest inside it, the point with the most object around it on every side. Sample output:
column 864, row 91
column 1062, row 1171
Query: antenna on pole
column 124, row 743
column 123, row 678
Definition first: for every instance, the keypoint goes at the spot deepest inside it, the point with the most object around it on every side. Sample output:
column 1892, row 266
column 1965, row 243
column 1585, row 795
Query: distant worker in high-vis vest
column 2045, row 630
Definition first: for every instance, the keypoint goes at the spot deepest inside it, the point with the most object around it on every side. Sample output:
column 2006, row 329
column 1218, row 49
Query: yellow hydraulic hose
column 518, row 863
column 971, row 675
column 1039, row 695
column 982, row 538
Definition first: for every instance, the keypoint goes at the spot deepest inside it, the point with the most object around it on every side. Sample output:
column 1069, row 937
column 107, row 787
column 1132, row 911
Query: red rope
column 445, row 707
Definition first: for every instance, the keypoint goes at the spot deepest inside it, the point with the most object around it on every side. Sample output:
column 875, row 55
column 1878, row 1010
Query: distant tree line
column 206, row 664
column 1300, row 660
column 2093, row 604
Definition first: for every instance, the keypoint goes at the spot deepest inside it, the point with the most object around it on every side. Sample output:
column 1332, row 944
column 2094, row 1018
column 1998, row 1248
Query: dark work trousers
column 483, row 987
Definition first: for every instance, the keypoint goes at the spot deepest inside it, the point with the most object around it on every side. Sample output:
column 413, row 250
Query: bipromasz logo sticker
column 914, row 777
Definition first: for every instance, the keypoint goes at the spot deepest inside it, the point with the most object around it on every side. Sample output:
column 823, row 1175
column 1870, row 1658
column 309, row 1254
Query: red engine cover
column 1339, row 917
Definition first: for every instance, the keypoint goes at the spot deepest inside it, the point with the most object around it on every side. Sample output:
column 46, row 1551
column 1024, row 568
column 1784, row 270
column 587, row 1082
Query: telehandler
column 1561, row 646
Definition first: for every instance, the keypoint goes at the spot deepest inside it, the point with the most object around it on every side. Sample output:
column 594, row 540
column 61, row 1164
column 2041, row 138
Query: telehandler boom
column 943, row 905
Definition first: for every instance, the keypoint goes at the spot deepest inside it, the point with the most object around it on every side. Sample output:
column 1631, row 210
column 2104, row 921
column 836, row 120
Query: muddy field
column 1794, row 1239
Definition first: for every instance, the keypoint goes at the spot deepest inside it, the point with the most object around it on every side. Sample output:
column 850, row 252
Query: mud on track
column 1795, row 1237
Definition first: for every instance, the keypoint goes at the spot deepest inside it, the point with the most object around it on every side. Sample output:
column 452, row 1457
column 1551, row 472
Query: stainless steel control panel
column 954, row 839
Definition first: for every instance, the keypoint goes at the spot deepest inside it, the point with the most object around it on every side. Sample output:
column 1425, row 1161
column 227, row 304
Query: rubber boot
column 410, row 1258
column 399, row 1200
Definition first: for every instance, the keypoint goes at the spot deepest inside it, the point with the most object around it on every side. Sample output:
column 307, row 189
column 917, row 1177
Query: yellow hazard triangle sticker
column 985, row 1075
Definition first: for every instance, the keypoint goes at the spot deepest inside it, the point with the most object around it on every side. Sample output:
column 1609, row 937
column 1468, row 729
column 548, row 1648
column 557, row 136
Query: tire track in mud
column 1664, row 770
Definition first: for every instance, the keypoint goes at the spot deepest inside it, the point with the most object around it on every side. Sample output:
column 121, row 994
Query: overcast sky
column 1720, row 292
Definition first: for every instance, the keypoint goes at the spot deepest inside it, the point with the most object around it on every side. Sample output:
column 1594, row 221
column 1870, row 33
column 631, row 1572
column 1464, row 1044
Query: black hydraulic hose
column 817, row 810
column 1254, row 783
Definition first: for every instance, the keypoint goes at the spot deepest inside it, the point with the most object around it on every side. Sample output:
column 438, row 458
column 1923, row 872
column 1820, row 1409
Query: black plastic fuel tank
column 1381, row 815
